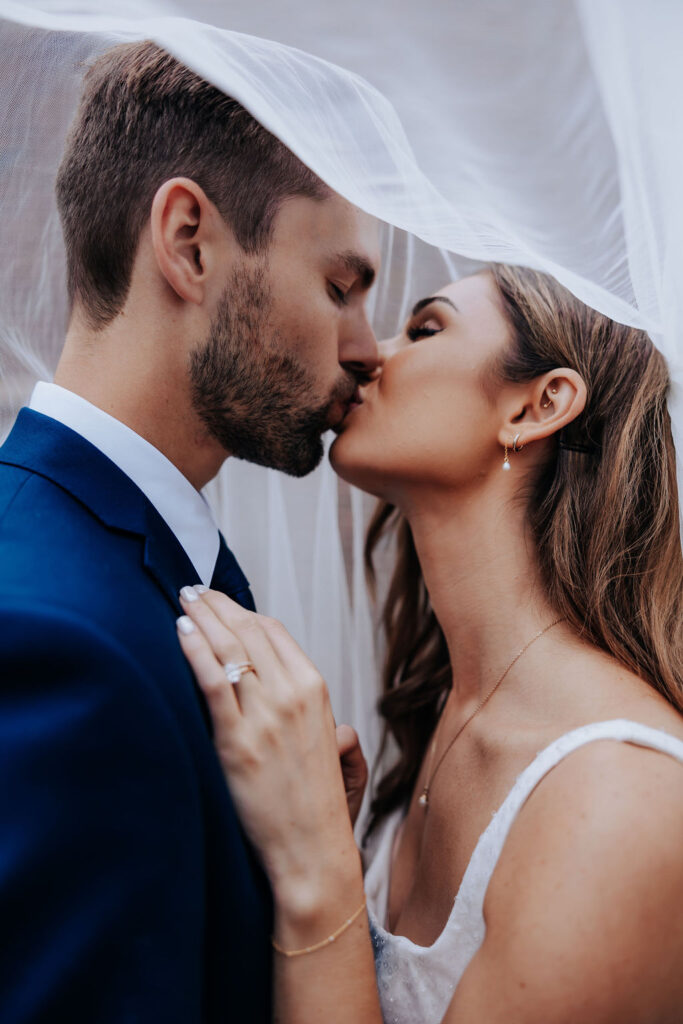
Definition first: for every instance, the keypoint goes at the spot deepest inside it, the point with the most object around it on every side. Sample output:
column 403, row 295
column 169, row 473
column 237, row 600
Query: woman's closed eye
column 423, row 330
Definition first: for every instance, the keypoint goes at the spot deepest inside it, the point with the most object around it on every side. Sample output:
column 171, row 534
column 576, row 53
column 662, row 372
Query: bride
column 523, row 859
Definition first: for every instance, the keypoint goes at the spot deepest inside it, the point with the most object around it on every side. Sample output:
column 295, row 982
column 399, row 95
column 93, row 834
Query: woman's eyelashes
column 422, row 331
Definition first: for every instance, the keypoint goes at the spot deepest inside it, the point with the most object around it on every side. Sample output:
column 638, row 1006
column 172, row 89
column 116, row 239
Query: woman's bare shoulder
column 629, row 696
column 603, row 788
column 586, row 890
column 590, row 685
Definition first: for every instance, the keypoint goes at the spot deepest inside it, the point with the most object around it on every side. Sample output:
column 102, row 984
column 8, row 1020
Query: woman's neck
column 479, row 569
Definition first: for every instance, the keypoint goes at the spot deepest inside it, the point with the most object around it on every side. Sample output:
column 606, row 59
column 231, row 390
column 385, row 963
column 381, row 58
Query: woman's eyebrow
column 419, row 306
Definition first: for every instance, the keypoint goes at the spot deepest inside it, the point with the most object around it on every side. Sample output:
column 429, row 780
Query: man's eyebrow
column 419, row 306
column 358, row 265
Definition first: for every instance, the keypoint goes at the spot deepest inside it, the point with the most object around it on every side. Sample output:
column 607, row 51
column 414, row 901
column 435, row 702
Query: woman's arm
column 275, row 735
column 335, row 984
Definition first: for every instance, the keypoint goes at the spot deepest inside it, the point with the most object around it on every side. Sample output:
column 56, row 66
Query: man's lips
column 354, row 402
column 345, row 407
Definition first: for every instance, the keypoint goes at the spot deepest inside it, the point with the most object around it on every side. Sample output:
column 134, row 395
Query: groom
column 217, row 290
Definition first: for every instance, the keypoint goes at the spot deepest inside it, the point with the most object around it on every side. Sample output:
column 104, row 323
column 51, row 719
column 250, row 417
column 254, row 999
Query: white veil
column 544, row 132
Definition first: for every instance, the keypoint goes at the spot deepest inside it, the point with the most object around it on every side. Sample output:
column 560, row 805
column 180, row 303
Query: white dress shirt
column 183, row 508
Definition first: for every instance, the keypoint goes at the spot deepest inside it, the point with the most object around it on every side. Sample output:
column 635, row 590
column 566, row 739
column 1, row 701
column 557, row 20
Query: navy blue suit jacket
column 127, row 891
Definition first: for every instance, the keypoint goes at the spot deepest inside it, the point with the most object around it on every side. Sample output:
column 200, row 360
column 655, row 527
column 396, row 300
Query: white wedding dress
column 416, row 983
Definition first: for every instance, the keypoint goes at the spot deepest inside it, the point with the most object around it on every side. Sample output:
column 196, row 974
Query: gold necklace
column 423, row 799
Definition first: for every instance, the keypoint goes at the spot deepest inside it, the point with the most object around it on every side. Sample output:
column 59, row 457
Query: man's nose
column 358, row 351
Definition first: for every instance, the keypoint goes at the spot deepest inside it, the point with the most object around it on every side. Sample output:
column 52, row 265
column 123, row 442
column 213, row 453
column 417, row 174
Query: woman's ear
column 184, row 235
column 549, row 404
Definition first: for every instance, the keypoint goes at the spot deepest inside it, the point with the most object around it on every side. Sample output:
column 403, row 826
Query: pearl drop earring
column 506, row 460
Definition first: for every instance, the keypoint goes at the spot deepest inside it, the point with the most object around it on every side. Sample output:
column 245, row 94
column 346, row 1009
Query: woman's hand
column 276, row 740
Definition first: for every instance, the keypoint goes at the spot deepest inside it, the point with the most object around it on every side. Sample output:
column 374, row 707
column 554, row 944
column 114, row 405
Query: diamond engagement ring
column 234, row 672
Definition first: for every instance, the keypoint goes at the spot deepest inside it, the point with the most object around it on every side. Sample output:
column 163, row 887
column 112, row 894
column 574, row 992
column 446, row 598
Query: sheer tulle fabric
column 542, row 133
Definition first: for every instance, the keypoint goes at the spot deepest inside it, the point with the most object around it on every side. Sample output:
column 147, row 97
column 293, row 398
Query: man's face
column 290, row 341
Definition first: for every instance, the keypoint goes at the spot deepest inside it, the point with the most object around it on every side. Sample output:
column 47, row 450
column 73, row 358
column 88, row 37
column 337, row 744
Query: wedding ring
column 234, row 672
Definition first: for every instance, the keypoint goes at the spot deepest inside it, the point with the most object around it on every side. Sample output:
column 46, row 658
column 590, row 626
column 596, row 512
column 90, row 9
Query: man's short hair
column 144, row 118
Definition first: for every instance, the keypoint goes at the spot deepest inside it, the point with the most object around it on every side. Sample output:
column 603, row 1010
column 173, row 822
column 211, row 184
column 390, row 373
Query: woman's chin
column 339, row 460
column 354, row 470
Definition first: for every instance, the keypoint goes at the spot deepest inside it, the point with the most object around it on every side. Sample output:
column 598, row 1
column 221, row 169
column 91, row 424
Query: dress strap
column 417, row 982
column 489, row 848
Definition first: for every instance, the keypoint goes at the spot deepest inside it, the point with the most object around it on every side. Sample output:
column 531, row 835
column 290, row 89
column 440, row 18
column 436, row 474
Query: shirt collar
column 184, row 509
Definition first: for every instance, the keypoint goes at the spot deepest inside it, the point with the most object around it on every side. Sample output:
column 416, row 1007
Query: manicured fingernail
column 201, row 589
column 189, row 594
column 185, row 625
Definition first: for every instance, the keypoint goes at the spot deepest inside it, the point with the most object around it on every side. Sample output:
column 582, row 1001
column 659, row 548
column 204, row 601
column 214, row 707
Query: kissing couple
column 178, row 804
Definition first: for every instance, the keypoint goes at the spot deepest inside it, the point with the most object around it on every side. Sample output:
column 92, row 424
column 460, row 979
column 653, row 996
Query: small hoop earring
column 516, row 447
column 506, row 460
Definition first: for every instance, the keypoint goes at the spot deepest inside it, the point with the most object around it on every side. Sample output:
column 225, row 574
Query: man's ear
column 548, row 404
column 185, row 236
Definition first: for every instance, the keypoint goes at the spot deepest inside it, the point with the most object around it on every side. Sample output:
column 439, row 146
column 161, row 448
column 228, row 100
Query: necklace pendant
column 423, row 799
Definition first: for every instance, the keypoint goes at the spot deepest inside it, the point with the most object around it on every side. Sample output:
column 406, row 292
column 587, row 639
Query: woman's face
column 428, row 421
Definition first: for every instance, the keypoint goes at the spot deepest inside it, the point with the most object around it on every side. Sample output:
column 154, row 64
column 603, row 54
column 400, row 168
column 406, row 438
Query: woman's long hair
column 603, row 511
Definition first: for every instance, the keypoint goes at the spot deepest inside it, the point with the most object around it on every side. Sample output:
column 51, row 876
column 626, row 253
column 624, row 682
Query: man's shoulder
column 48, row 537
column 28, row 498
column 62, row 566
column 73, row 587
column 73, row 656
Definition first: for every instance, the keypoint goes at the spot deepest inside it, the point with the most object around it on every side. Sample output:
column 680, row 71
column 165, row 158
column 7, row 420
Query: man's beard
column 256, row 399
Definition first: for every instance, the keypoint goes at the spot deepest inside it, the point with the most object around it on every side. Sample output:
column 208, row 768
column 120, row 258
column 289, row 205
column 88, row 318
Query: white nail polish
column 189, row 594
column 201, row 589
column 185, row 625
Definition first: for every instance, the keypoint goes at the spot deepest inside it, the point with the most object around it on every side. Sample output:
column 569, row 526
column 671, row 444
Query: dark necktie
column 229, row 578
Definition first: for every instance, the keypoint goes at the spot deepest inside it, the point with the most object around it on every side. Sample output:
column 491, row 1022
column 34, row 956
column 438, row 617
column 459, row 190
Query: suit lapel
column 54, row 451
column 166, row 560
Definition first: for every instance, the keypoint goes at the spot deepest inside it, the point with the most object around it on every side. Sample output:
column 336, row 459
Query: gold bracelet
column 325, row 942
